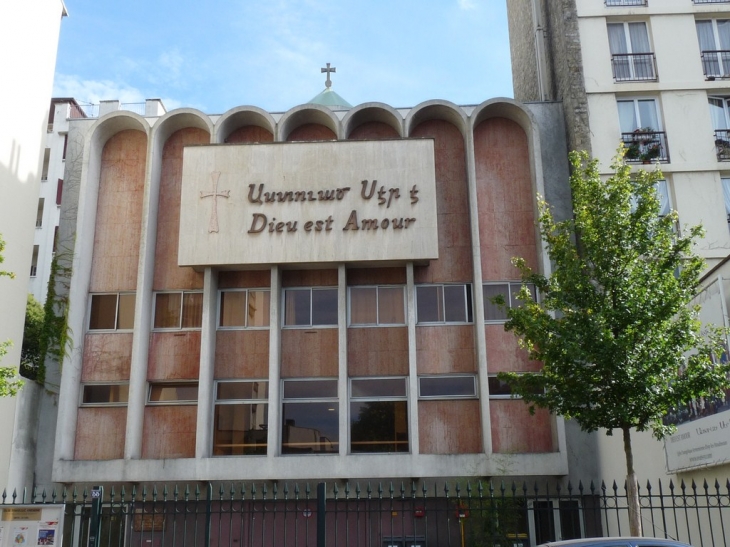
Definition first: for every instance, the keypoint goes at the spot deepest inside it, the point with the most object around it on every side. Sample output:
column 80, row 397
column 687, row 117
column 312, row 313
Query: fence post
column 321, row 506
column 97, row 495
column 208, row 513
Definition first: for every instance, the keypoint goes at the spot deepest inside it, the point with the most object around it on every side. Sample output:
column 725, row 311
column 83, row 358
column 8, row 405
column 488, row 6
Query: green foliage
column 54, row 339
column 30, row 353
column 620, row 344
column 9, row 383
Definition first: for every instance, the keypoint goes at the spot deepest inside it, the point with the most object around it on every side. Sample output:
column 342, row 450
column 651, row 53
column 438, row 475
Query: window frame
column 172, row 402
column 84, row 385
column 246, row 326
column 636, row 99
column 723, row 63
column 305, row 400
column 475, row 385
column 182, row 294
column 468, row 303
column 510, row 293
column 378, row 323
column 501, row 396
column 116, row 328
column 377, row 399
column 311, row 324
column 242, row 401
column 630, row 56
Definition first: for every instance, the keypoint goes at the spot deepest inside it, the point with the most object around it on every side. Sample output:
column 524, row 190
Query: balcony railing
column 646, row 146
column 626, row 2
column 711, row 1
column 716, row 64
column 33, row 271
column 633, row 67
column 722, row 144
column 83, row 111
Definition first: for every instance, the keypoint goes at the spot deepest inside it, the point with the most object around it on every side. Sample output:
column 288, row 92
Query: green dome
column 331, row 100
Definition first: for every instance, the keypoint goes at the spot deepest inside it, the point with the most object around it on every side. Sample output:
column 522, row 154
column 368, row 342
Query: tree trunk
column 632, row 487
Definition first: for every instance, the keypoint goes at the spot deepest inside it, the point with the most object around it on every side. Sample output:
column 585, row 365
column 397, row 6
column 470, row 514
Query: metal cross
column 327, row 69
column 215, row 194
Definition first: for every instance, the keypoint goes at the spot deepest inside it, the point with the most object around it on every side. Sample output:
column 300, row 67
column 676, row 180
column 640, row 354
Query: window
column 626, row 2
column 631, row 55
column 241, row 418
column 105, row 394
column 310, row 417
column 377, row 306
column 378, row 415
column 310, row 307
column 641, row 132
column 39, row 213
column 509, row 290
column 113, row 311
column 720, row 114
column 443, row 304
column 244, row 308
column 173, row 393
column 714, row 39
column 499, row 389
column 59, row 191
column 450, row 386
column 34, row 261
column 178, row 310
column 65, row 145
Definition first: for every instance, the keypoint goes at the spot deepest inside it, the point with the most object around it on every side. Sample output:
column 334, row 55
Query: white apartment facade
column 654, row 74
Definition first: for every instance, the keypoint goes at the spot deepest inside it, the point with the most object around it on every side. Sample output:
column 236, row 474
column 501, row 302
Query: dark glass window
column 103, row 394
column 443, row 304
column 170, row 393
column 112, row 311
column 377, row 306
column 378, row 415
column 310, row 307
column 509, row 291
column 244, row 308
column 178, row 310
column 451, row 386
column 241, row 418
column 310, row 417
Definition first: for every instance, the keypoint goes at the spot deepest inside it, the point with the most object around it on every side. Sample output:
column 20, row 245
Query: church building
column 304, row 294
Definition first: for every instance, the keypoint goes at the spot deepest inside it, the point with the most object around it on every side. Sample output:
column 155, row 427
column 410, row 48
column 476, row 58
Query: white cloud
column 467, row 4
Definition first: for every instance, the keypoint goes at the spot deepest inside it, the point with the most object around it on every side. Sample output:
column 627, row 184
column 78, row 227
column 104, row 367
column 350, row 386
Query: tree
column 9, row 384
column 620, row 344
column 31, row 352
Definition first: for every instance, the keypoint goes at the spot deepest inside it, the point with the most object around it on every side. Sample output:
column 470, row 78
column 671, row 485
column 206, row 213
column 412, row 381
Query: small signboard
column 31, row 525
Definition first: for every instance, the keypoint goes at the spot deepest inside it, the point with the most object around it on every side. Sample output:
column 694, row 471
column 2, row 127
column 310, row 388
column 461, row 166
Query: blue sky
column 218, row 54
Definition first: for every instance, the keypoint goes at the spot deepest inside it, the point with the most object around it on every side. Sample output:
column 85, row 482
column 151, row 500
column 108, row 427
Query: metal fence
column 380, row 514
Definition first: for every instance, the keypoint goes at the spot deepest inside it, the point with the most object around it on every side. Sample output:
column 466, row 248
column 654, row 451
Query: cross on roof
column 328, row 69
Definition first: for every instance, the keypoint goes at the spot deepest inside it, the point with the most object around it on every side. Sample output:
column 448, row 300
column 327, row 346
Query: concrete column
column 342, row 384
column 206, row 396
column 478, row 295
column 412, row 361
column 274, row 436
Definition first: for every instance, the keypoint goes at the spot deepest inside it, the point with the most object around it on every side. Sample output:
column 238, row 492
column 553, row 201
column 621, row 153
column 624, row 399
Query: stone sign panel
column 308, row 202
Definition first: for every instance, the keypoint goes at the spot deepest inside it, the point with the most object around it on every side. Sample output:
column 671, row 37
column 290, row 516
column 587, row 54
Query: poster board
column 31, row 525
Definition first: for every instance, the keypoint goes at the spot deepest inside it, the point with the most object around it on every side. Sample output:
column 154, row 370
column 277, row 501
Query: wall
column 31, row 31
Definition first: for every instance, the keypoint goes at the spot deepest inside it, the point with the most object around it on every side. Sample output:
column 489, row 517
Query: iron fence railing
column 711, row 1
column 715, row 63
column 378, row 514
column 626, row 2
column 644, row 145
column 633, row 67
column 722, row 144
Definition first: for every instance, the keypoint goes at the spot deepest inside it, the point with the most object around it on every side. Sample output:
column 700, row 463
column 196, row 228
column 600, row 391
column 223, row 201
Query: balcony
column 722, row 144
column 645, row 145
column 633, row 67
column 711, row 1
column 611, row 3
column 716, row 64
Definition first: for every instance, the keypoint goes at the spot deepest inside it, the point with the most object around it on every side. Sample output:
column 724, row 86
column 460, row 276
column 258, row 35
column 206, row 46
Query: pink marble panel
column 174, row 355
column 168, row 275
column 242, row 354
column 441, row 427
column 377, row 351
column 505, row 197
column 309, row 353
column 503, row 353
column 454, row 263
column 119, row 213
column 373, row 131
column 250, row 134
column 100, row 433
column 376, row 276
column 515, row 431
column 107, row 357
column 169, row 431
column 444, row 349
column 309, row 278
column 311, row 132
column 244, row 280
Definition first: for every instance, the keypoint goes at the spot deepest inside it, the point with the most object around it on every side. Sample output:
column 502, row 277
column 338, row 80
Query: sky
column 218, row 54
